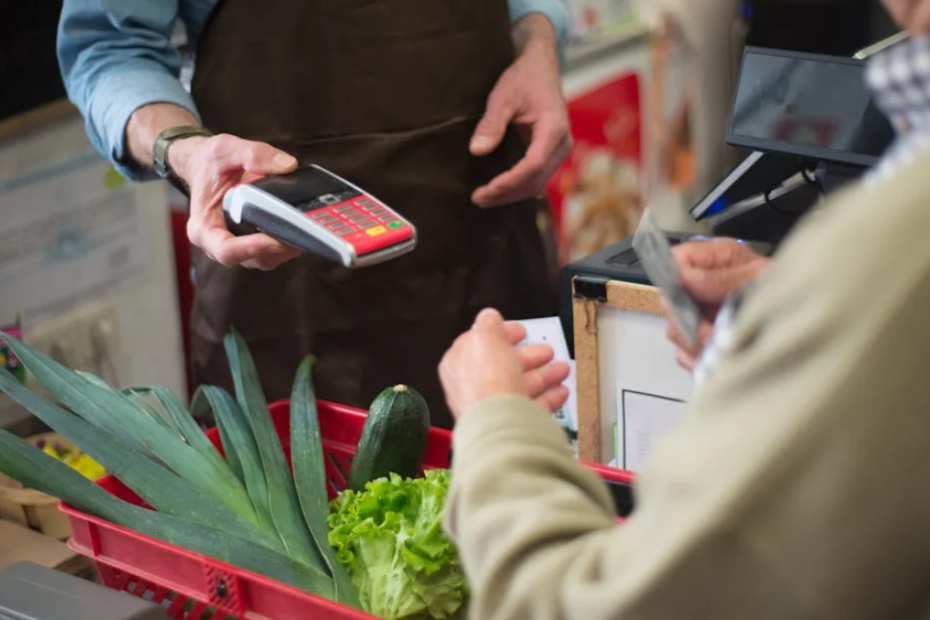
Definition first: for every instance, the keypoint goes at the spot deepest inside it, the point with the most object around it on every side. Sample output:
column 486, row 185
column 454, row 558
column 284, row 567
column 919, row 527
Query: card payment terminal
column 316, row 211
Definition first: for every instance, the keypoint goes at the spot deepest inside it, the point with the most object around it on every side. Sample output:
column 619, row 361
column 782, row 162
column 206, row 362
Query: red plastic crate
column 191, row 586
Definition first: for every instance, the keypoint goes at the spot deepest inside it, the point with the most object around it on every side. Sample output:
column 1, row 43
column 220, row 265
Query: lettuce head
column 390, row 539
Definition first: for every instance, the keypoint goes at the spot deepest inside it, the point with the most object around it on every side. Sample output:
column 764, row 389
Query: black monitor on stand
column 812, row 127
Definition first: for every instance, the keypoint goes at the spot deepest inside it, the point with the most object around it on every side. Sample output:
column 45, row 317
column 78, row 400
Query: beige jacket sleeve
column 796, row 487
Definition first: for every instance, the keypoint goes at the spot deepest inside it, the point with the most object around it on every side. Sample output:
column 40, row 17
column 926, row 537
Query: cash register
column 809, row 126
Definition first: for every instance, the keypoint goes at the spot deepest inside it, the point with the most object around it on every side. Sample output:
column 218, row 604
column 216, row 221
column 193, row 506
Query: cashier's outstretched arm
column 794, row 487
column 210, row 166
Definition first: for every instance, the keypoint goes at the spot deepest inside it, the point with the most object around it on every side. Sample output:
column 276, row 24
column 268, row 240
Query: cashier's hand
column 710, row 271
column 210, row 166
column 529, row 95
column 484, row 362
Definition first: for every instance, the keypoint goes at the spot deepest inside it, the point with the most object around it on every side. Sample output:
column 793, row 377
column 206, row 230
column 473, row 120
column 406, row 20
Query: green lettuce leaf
column 390, row 539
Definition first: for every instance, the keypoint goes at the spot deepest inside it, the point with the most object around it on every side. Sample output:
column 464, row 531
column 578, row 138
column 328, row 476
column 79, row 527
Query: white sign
column 635, row 357
column 641, row 420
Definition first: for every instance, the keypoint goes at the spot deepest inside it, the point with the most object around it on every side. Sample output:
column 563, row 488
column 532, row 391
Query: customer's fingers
column 515, row 330
column 685, row 360
column 541, row 380
column 553, row 399
column 919, row 23
column 534, row 356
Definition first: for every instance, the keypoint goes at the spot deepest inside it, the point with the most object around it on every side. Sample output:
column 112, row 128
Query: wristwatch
column 160, row 152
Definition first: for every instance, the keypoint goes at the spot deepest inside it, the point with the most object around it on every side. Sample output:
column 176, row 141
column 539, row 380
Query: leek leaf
column 310, row 477
column 187, row 426
column 116, row 428
column 37, row 470
column 161, row 488
column 282, row 496
column 239, row 445
column 201, row 405
column 138, row 396
column 110, row 411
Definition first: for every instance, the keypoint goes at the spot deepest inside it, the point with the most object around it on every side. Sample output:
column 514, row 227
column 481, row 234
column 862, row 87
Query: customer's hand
column 483, row 363
column 911, row 15
column 529, row 95
column 710, row 271
column 210, row 166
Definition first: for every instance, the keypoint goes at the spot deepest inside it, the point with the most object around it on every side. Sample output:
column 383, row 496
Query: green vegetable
column 137, row 396
column 244, row 512
column 184, row 422
column 390, row 538
column 240, row 448
column 282, row 496
column 310, row 476
column 111, row 411
column 162, row 489
column 37, row 470
column 393, row 439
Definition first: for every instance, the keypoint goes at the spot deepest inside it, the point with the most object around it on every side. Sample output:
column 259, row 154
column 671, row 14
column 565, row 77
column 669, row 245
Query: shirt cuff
column 555, row 10
column 115, row 99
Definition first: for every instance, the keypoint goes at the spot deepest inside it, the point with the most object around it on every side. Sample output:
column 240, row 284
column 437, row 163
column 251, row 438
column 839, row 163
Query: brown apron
column 385, row 93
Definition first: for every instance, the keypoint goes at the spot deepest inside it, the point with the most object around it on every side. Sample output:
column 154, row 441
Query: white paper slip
column 655, row 253
column 642, row 419
column 549, row 331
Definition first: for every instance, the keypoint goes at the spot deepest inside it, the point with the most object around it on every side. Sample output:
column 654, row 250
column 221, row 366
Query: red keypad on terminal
column 363, row 222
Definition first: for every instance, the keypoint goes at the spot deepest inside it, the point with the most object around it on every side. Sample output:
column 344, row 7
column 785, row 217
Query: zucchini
column 393, row 438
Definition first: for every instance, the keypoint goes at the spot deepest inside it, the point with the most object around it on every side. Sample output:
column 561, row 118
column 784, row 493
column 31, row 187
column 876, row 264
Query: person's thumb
column 492, row 126
column 489, row 320
column 261, row 158
column 713, row 285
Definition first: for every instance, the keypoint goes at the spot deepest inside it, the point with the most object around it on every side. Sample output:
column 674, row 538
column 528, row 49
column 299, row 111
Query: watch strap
column 160, row 151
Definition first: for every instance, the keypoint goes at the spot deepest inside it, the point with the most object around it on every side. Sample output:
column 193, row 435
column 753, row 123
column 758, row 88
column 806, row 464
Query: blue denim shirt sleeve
column 556, row 10
column 117, row 56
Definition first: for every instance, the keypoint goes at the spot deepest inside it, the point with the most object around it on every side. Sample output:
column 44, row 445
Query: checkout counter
column 808, row 127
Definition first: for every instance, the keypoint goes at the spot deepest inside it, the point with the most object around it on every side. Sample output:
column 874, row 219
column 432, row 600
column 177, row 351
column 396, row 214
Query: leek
column 37, row 470
column 282, row 496
column 310, row 477
column 162, row 489
column 239, row 445
column 111, row 411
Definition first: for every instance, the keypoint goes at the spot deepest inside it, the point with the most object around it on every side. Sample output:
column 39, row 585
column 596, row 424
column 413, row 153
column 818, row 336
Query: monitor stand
column 770, row 216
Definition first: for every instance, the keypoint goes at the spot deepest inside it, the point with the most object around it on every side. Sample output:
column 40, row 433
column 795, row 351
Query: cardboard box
column 30, row 508
column 20, row 544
